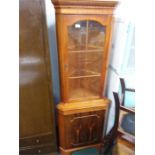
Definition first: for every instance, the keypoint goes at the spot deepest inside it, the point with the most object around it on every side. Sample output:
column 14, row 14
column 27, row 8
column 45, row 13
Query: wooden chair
column 111, row 137
column 124, row 89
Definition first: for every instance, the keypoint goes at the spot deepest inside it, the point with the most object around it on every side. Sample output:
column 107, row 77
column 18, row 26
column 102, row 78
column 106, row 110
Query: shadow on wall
column 54, row 63
column 50, row 19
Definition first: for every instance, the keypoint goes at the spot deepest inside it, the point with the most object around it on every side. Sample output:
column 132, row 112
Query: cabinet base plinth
column 69, row 151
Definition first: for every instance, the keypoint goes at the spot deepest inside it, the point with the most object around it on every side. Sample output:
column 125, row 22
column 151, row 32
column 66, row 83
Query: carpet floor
column 118, row 149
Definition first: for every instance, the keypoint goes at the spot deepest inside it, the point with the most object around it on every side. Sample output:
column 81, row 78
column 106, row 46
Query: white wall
column 117, row 52
column 124, row 15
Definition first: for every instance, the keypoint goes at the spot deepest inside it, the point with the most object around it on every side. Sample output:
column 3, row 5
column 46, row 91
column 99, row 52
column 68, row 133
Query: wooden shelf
column 82, row 93
column 86, row 51
column 84, row 74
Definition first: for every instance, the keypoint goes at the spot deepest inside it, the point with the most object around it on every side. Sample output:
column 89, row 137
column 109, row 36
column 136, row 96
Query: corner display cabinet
column 83, row 36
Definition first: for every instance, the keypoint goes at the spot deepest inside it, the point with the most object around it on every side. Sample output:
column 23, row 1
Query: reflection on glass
column 85, row 58
column 77, row 36
column 96, row 36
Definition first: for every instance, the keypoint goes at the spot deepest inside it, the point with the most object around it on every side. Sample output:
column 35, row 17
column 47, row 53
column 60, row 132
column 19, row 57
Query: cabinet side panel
column 61, row 125
column 107, row 52
column 61, row 44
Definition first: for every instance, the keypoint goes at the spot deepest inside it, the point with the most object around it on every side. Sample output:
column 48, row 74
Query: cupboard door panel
column 84, row 128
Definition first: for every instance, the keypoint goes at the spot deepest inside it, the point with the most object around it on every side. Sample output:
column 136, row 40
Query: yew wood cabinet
column 83, row 38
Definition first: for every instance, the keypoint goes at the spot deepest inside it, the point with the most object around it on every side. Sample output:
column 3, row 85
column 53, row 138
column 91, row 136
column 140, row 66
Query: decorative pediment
column 67, row 6
column 105, row 3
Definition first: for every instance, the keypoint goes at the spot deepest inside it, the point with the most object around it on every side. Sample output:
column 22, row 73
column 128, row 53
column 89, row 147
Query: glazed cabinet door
column 84, row 56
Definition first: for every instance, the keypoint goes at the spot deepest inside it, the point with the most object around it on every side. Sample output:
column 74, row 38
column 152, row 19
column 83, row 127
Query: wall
column 124, row 17
column 50, row 18
column 116, row 58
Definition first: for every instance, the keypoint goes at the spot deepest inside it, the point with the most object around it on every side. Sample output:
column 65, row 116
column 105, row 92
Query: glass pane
column 85, row 58
column 83, row 87
column 96, row 34
column 77, row 36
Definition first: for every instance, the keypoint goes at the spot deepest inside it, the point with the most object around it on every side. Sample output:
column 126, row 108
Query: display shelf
column 79, row 58
column 86, row 76
column 86, row 50
column 76, row 48
column 83, row 74
column 85, row 87
column 89, row 48
column 82, row 93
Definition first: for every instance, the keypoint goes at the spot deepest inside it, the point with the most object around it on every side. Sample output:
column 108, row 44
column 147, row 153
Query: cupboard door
column 84, row 129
